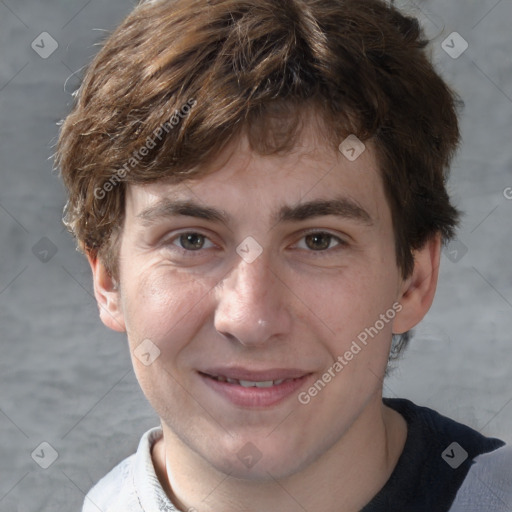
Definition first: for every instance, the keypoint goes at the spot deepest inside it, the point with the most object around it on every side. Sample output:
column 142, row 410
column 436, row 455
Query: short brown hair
column 255, row 67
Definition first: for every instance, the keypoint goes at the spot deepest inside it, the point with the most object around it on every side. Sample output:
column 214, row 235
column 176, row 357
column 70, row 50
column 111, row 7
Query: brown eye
column 319, row 241
column 192, row 241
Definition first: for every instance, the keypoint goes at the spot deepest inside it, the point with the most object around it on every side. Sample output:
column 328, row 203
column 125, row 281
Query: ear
column 417, row 292
column 107, row 295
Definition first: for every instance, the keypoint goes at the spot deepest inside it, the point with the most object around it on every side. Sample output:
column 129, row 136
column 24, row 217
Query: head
column 242, row 108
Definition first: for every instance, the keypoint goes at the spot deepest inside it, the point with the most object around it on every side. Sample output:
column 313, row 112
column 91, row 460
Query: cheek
column 156, row 303
column 353, row 297
column 351, row 304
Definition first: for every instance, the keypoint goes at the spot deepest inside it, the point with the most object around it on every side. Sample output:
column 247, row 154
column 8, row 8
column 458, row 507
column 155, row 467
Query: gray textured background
column 67, row 381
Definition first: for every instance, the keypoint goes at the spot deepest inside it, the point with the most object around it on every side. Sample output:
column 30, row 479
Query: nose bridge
column 251, row 279
column 247, row 290
column 249, row 307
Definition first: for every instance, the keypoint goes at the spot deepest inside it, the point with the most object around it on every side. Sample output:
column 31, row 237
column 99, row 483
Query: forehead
column 242, row 182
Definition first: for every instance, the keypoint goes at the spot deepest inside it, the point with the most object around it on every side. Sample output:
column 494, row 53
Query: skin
column 300, row 304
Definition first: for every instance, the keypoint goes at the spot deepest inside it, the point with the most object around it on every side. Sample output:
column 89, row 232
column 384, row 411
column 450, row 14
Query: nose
column 251, row 307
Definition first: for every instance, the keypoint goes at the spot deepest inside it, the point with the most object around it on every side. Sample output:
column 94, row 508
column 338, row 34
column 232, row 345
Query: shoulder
column 438, row 456
column 488, row 484
column 118, row 490
column 113, row 490
column 443, row 432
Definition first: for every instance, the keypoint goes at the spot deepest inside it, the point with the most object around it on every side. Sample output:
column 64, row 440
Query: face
column 268, row 270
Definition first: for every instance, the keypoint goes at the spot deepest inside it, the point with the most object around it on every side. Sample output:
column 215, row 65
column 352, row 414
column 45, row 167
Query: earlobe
column 107, row 295
column 417, row 292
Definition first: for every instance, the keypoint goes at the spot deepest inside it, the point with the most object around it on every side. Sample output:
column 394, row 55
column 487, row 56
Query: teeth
column 251, row 383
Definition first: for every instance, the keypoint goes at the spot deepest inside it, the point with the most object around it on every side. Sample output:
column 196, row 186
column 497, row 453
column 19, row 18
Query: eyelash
column 340, row 243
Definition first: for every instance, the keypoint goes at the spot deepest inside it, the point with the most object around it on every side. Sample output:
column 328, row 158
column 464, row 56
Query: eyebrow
column 339, row 207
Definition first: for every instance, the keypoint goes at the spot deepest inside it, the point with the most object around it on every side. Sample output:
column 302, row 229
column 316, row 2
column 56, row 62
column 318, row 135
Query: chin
column 258, row 461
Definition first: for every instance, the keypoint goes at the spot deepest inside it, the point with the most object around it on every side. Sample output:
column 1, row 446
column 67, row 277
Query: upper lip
column 239, row 373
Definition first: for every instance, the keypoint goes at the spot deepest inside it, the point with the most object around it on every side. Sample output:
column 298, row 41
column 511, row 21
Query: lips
column 254, row 388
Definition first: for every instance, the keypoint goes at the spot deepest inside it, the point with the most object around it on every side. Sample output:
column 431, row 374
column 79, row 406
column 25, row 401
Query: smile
column 257, row 392
column 251, row 384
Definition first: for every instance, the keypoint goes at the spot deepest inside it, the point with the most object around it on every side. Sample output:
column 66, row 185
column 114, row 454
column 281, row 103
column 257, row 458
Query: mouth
column 255, row 389
column 249, row 383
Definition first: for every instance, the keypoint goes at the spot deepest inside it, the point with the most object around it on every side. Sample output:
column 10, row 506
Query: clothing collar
column 149, row 491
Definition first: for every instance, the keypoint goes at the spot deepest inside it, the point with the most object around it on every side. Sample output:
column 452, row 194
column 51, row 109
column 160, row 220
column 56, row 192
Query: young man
column 260, row 190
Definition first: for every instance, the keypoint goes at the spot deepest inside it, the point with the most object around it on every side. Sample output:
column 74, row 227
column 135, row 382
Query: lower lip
column 253, row 396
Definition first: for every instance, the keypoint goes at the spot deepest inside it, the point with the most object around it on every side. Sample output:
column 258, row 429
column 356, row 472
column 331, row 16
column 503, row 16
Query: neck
column 343, row 479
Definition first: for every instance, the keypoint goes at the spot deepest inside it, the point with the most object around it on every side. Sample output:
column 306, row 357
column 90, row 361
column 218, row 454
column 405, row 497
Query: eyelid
column 170, row 240
column 178, row 237
column 341, row 241
column 174, row 237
